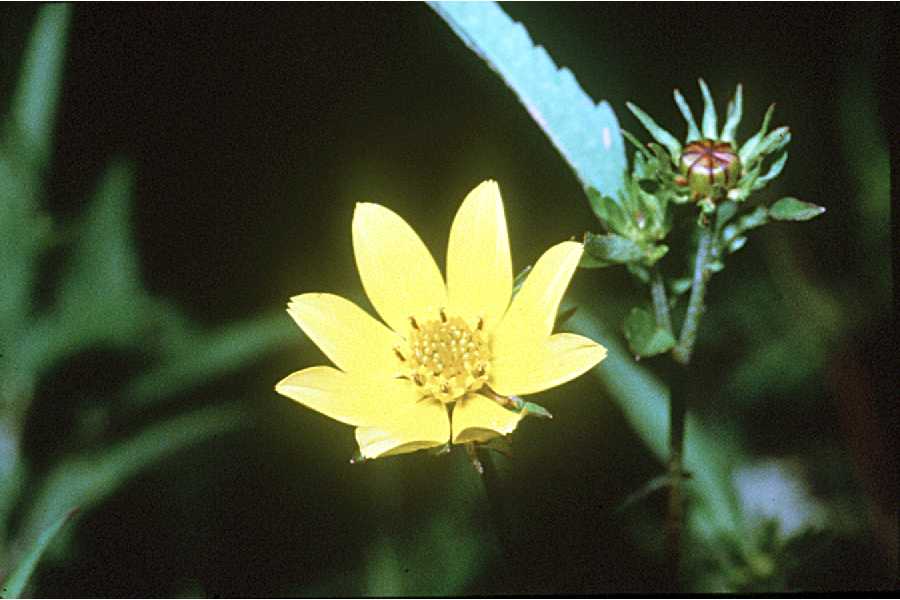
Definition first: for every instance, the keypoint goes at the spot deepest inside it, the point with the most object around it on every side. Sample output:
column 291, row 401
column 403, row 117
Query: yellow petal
column 346, row 398
column 534, row 368
column 349, row 337
column 479, row 268
column 397, row 271
column 532, row 313
column 422, row 425
column 478, row 419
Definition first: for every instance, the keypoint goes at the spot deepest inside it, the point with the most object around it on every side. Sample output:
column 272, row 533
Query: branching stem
column 681, row 354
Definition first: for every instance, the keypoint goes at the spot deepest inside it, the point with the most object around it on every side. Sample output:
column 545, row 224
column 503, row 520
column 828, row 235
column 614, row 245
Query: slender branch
column 681, row 354
column 660, row 301
column 682, row 351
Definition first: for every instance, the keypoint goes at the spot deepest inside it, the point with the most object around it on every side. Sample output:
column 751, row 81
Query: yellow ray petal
column 479, row 268
column 346, row 398
column 397, row 271
column 529, row 369
column 422, row 425
column 478, row 419
column 532, row 313
column 349, row 337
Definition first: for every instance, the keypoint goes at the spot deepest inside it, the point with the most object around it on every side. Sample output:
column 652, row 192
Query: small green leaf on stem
column 791, row 209
column 611, row 248
column 645, row 336
column 693, row 132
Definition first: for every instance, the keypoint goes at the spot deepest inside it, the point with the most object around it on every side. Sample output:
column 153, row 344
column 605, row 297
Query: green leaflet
column 33, row 110
column 585, row 133
column 14, row 585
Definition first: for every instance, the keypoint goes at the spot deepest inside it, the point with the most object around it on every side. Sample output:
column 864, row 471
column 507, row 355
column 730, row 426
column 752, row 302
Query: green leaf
column 709, row 455
column 14, row 585
column 100, row 296
column 194, row 357
column 607, row 210
column 585, row 133
column 645, row 336
column 85, row 480
column 749, row 147
column 611, row 248
column 733, row 115
column 791, row 209
column 666, row 139
column 773, row 172
column 33, row 109
column 710, row 129
column 693, row 132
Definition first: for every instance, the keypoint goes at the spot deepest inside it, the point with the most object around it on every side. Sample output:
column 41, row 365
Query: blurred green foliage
column 99, row 301
column 249, row 145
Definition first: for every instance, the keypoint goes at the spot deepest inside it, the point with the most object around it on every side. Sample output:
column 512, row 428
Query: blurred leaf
column 585, row 133
column 791, row 209
column 195, row 357
column 14, row 585
column 85, row 480
column 710, row 455
column 33, row 109
column 611, row 248
column 644, row 336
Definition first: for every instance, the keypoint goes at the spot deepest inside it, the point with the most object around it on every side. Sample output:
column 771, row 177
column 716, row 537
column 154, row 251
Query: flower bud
column 707, row 165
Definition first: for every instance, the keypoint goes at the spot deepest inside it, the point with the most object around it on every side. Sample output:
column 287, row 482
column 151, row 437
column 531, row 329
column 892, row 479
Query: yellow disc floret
column 445, row 358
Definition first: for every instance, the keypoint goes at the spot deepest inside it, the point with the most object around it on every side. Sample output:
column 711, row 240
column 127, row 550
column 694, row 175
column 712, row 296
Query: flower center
column 445, row 357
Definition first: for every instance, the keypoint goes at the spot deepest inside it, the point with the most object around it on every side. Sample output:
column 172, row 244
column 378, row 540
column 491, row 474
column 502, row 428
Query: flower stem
column 682, row 351
column 681, row 354
column 493, row 489
column 660, row 301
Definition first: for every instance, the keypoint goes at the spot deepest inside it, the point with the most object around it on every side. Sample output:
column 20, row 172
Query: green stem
column 681, row 353
column 660, row 301
column 493, row 488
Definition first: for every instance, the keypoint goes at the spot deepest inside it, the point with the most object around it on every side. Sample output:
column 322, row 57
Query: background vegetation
column 201, row 166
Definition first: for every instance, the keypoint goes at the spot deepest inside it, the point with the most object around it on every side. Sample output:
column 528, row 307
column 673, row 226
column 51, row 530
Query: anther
column 399, row 355
column 443, row 316
column 412, row 321
column 480, row 323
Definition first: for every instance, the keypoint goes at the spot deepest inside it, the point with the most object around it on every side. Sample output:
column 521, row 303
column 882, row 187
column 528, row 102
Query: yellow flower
column 453, row 358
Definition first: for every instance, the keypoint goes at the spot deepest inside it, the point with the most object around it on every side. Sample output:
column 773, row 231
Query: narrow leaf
column 14, row 585
column 791, row 209
column 693, row 132
column 772, row 173
column 33, row 108
column 733, row 115
column 85, row 480
column 585, row 133
column 659, row 134
column 709, row 113
column 749, row 147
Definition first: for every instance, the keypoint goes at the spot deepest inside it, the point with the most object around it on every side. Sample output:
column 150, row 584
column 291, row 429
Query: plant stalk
column 681, row 354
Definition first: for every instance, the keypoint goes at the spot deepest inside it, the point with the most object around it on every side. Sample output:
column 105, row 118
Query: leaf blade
column 585, row 133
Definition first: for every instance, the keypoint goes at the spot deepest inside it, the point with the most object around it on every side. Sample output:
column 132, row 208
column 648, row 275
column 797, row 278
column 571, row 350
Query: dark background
column 255, row 129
